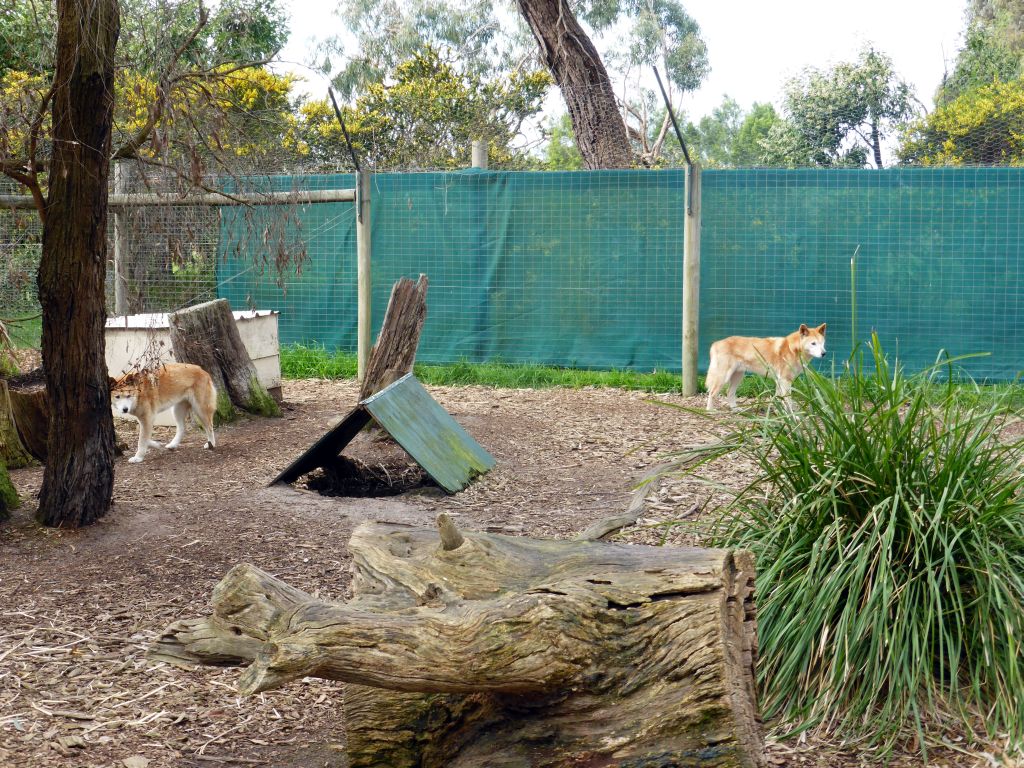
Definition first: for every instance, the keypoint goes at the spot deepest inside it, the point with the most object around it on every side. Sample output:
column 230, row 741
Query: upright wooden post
column 691, row 280
column 364, row 283
column 479, row 153
column 121, row 223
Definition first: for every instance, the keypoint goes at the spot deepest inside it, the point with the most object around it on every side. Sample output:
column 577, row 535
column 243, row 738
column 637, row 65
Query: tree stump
column 206, row 335
column 24, row 419
column 394, row 353
column 474, row 649
column 12, row 451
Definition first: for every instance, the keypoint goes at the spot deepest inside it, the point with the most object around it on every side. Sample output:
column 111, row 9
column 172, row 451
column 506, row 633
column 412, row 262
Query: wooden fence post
column 122, row 170
column 691, row 280
column 364, row 283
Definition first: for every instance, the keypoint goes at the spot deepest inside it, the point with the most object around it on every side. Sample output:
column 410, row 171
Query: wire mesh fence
column 584, row 269
column 576, row 269
column 930, row 259
column 20, row 249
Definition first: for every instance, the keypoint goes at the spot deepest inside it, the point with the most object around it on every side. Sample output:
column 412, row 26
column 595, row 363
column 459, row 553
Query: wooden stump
column 12, row 451
column 394, row 353
column 471, row 649
column 24, row 419
column 206, row 335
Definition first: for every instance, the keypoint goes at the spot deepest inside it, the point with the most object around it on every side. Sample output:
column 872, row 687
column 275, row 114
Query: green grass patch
column 299, row 361
column 887, row 517
column 305, row 362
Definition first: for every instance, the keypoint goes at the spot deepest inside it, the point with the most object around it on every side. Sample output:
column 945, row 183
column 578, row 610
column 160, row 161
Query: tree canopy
column 993, row 48
column 425, row 115
column 480, row 39
column 841, row 116
column 983, row 126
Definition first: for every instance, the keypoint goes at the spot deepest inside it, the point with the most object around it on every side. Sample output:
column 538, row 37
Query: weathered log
column 206, row 335
column 506, row 651
column 394, row 353
column 25, row 406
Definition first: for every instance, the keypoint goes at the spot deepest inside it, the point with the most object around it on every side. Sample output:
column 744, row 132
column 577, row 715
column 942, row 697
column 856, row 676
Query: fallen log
column 206, row 335
column 472, row 649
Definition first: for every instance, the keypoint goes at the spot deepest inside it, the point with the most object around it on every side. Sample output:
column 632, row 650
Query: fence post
column 363, row 282
column 691, row 280
column 121, row 246
column 479, row 153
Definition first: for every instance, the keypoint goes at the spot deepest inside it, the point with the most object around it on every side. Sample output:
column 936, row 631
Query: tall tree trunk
column 575, row 64
column 79, row 476
column 876, row 145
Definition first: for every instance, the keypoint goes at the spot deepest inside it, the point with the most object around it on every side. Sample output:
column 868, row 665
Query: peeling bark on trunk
column 576, row 66
column 79, row 476
column 475, row 649
column 206, row 335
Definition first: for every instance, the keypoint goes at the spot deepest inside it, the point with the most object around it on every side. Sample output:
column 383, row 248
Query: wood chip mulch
column 79, row 608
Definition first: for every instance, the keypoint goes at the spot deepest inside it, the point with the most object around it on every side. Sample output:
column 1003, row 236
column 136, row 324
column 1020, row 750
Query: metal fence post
column 691, row 280
column 363, row 281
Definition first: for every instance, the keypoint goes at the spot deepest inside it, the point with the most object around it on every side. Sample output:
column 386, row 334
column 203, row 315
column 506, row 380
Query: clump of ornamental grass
column 888, row 523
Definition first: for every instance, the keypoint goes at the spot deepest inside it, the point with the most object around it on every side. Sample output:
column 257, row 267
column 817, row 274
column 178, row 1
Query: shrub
column 888, row 525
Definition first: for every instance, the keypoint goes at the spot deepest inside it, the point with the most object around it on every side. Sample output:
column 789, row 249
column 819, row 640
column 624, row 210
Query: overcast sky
column 754, row 46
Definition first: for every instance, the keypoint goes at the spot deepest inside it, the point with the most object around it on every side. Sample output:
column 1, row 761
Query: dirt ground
column 79, row 608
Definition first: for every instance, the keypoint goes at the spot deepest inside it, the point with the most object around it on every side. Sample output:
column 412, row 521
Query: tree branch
column 163, row 92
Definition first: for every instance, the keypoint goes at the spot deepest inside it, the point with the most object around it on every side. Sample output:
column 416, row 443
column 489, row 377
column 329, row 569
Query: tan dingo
column 782, row 357
column 181, row 386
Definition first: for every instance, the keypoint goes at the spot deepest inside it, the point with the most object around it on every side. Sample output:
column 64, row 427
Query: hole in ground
column 348, row 476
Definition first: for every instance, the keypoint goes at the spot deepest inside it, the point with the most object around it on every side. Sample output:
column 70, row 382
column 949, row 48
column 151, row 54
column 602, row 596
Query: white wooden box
column 133, row 340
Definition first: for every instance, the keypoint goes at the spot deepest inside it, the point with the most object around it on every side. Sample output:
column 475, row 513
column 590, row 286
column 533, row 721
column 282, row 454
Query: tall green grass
column 304, row 362
column 888, row 523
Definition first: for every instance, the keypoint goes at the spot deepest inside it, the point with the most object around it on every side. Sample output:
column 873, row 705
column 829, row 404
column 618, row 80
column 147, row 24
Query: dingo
column 180, row 386
column 783, row 357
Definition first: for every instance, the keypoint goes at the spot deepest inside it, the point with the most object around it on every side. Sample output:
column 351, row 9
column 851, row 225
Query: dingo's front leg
column 145, row 431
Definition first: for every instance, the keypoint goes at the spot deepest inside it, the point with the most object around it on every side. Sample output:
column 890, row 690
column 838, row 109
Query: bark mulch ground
column 79, row 608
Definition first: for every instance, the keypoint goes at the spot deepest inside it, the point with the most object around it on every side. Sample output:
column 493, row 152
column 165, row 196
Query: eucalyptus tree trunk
column 79, row 476
column 576, row 66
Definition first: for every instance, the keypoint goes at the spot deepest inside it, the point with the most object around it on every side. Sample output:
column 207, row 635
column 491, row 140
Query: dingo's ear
column 821, row 329
column 111, row 381
column 803, row 329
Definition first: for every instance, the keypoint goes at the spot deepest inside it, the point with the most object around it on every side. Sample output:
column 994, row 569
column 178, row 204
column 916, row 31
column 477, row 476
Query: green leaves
column 984, row 126
column 840, row 117
column 427, row 114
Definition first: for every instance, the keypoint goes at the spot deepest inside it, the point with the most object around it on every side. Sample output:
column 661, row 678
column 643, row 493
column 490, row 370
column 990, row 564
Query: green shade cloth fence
column 585, row 268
